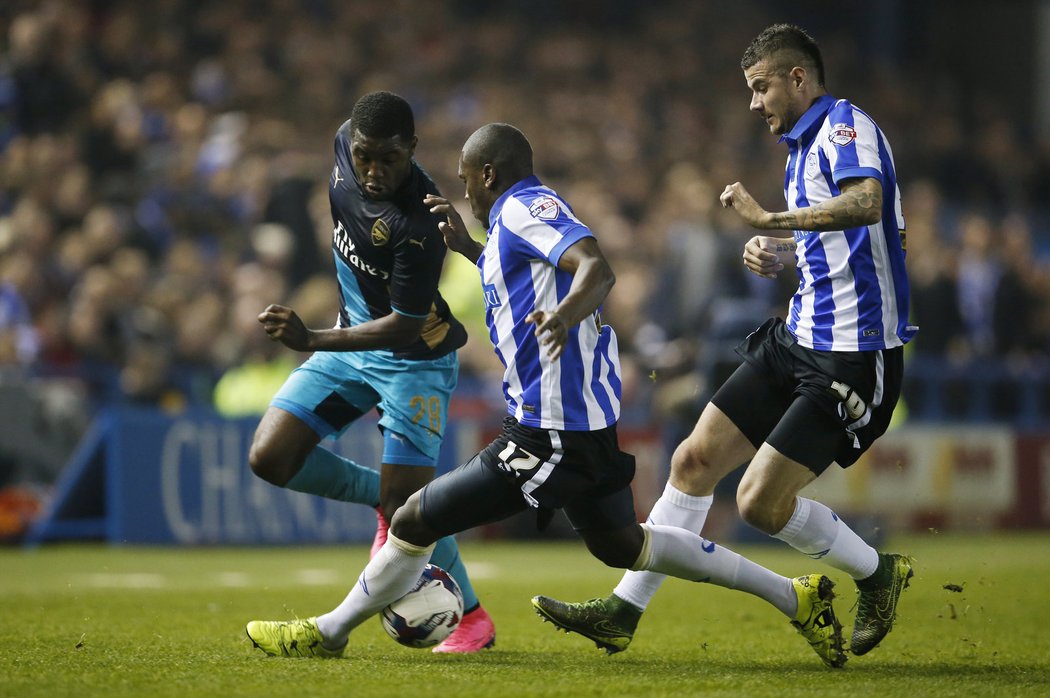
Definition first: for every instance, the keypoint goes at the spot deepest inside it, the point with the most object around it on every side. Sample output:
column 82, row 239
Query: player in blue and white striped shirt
column 853, row 289
column 576, row 388
column 544, row 278
column 821, row 387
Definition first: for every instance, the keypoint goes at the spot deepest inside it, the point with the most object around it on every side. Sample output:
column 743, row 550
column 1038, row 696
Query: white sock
column 387, row 577
column 818, row 532
column 685, row 555
column 673, row 508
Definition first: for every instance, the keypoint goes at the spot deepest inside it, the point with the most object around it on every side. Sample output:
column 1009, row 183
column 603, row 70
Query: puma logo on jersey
column 417, row 242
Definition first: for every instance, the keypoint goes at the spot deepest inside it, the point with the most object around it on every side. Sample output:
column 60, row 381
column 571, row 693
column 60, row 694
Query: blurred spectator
column 933, row 275
column 1021, row 296
column 18, row 338
column 262, row 366
column 980, row 272
column 45, row 93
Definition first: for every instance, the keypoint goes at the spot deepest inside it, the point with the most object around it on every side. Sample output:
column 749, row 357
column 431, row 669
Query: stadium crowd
column 164, row 169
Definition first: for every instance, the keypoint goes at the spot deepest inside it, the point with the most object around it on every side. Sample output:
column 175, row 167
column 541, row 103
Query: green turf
column 86, row 620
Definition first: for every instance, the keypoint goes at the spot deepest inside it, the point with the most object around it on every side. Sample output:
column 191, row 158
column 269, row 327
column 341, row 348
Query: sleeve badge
column 842, row 135
column 545, row 208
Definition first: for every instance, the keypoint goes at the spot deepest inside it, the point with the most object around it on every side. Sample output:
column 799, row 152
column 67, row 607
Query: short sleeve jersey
column 530, row 229
column 388, row 256
column 853, row 286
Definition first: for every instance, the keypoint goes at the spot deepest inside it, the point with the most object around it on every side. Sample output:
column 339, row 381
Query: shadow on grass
column 712, row 664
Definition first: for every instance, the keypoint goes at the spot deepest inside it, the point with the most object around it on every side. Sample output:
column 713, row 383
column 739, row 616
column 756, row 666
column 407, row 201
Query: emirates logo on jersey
column 545, row 207
column 842, row 135
column 380, row 233
column 344, row 245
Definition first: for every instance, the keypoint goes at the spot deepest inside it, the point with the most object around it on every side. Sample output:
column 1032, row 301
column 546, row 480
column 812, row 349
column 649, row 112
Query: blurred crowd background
column 164, row 168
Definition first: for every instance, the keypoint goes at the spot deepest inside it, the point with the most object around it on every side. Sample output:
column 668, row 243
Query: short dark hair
column 792, row 46
column 383, row 115
column 503, row 146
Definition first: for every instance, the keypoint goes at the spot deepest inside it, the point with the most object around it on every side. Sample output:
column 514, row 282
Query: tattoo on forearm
column 853, row 207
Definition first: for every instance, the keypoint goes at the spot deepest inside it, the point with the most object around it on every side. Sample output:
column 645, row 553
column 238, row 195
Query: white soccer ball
column 428, row 613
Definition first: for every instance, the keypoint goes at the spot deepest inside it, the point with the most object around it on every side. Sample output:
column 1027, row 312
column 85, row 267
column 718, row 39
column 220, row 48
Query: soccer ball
column 428, row 613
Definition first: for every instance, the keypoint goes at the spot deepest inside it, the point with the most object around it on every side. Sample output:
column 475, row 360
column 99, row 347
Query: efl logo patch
column 545, row 207
column 380, row 233
column 842, row 135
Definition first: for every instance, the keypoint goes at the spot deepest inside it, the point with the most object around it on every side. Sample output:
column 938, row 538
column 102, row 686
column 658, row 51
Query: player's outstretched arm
column 454, row 229
column 859, row 203
column 390, row 332
column 592, row 279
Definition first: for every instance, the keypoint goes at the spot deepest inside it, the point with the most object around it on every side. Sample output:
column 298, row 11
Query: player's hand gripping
column 453, row 228
column 551, row 330
column 284, row 326
column 762, row 255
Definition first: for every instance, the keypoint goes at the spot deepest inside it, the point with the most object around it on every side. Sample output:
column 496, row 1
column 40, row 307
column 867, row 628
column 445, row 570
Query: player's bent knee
column 689, row 460
column 397, row 486
column 614, row 548
column 611, row 557
column 266, row 464
column 755, row 517
column 393, row 502
column 762, row 511
column 408, row 524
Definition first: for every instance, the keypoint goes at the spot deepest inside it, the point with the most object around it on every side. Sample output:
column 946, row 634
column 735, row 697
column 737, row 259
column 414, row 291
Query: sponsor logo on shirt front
column 545, row 207
column 491, row 296
column 842, row 135
column 344, row 244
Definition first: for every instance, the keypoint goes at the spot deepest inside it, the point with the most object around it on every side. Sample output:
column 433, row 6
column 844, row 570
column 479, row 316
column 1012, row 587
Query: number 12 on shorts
column 515, row 458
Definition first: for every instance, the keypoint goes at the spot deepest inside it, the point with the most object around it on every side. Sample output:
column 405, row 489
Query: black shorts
column 815, row 407
column 583, row 472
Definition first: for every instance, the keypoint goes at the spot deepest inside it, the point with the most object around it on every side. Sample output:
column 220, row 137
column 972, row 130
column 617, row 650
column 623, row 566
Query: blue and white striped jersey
column 530, row 227
column 853, row 287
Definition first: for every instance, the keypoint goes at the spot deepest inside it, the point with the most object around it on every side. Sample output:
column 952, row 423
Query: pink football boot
column 476, row 632
column 382, row 528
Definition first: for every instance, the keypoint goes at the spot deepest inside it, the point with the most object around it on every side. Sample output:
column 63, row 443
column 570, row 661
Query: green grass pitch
column 90, row 620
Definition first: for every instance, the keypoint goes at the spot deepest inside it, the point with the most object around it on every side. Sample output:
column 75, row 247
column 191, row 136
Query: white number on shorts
column 517, row 458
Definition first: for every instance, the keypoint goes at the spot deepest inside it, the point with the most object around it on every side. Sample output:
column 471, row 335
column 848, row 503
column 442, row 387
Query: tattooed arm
column 860, row 203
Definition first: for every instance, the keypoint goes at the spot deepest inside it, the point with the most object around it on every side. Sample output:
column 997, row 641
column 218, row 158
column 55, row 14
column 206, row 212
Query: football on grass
column 428, row 613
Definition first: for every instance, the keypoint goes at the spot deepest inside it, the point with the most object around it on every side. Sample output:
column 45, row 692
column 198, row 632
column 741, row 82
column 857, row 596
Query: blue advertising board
column 148, row 477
